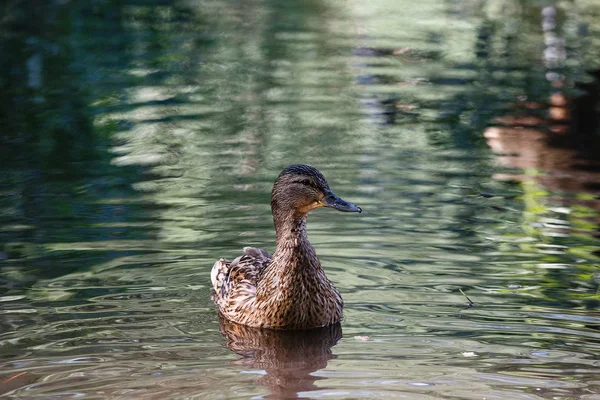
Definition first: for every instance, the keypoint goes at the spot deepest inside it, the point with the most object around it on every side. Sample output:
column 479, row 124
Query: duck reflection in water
column 289, row 358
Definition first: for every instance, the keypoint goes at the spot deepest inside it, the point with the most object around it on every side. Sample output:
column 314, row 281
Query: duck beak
column 332, row 200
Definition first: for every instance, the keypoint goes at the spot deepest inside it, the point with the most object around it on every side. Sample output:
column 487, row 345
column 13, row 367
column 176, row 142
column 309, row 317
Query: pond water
column 140, row 142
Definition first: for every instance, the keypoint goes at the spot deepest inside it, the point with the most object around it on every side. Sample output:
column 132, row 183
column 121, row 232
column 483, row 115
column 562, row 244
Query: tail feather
column 219, row 273
column 242, row 272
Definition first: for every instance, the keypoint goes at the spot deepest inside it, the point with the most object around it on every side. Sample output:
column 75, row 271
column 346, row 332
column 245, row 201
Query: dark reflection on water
column 288, row 358
column 140, row 141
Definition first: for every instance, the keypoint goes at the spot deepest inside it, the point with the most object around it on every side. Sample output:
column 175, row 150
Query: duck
column 286, row 290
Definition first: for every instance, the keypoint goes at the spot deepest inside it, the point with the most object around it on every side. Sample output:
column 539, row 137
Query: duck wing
column 244, row 271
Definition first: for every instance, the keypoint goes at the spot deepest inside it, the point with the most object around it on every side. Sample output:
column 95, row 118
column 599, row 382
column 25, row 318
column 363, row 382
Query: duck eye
column 305, row 182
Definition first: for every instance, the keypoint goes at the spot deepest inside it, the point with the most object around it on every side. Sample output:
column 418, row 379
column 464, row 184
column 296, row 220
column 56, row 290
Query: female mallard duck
column 288, row 290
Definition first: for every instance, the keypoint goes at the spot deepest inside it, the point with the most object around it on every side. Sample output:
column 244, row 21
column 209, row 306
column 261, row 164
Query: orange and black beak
column 332, row 200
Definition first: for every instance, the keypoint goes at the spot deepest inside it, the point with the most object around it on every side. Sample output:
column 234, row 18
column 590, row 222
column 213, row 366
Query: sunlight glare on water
column 141, row 144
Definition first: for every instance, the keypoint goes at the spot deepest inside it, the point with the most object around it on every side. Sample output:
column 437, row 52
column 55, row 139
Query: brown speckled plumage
column 288, row 290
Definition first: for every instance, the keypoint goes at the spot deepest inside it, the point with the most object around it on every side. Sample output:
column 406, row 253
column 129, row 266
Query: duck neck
column 293, row 248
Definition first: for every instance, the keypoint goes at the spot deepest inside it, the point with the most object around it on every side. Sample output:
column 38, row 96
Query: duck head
column 302, row 188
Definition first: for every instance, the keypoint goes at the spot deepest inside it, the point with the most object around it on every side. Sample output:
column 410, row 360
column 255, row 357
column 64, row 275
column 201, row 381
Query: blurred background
column 139, row 141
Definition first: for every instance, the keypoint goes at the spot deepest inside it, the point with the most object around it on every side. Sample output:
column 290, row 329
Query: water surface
column 140, row 143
